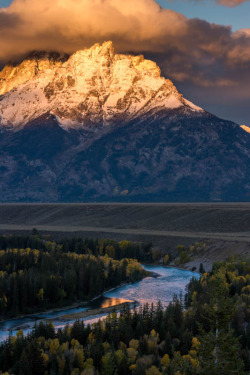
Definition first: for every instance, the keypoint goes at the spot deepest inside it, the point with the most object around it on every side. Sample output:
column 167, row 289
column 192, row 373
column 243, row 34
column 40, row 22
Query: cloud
column 72, row 24
column 189, row 51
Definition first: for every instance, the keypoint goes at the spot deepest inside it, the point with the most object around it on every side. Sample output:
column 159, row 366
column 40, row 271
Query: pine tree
column 201, row 269
column 219, row 350
column 226, row 360
column 109, row 365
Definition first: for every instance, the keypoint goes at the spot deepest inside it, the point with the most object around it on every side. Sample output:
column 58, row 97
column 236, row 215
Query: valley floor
column 225, row 227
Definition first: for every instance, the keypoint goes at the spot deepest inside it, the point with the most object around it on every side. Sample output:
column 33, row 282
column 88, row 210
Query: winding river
column 170, row 281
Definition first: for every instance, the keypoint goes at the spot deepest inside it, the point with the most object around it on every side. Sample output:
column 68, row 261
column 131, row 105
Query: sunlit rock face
column 246, row 128
column 14, row 75
column 98, row 126
column 94, row 86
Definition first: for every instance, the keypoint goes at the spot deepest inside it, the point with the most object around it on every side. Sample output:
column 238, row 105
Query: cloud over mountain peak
column 192, row 51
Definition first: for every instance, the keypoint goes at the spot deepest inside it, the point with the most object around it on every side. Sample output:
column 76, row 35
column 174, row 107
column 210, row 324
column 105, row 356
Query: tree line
column 117, row 250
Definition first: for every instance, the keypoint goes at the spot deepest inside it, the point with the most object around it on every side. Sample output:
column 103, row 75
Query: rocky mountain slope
column 97, row 126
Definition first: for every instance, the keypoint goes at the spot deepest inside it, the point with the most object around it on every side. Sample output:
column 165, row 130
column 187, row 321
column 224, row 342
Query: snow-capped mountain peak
column 92, row 86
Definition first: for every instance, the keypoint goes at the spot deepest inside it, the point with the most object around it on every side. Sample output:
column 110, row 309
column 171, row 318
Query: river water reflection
column 162, row 288
column 151, row 289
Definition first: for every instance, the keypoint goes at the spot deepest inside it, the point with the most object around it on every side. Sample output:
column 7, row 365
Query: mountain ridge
column 92, row 86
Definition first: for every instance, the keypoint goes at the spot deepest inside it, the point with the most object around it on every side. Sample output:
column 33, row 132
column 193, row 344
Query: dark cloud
column 227, row 3
column 193, row 52
column 231, row 3
column 8, row 21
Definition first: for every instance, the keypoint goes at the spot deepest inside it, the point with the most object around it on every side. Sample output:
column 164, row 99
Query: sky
column 238, row 17
column 203, row 46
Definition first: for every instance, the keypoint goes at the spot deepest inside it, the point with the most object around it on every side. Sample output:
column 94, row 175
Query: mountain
column 99, row 126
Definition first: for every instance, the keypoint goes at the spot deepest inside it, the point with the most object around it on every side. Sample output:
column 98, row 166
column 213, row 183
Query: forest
column 34, row 280
column 205, row 333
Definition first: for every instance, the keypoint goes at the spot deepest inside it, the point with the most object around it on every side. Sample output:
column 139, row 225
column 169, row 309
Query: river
column 151, row 289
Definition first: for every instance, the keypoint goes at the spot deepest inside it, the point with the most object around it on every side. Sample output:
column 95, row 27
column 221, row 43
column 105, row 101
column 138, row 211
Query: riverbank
column 88, row 313
column 77, row 304
column 49, row 311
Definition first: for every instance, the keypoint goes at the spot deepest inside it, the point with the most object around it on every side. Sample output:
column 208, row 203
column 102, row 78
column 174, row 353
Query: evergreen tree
column 219, row 350
column 201, row 268
column 225, row 360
